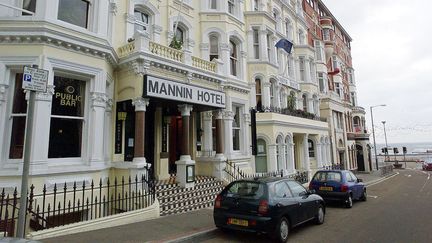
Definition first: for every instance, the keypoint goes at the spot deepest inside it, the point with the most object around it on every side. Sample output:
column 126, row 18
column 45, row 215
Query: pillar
column 140, row 108
column 266, row 95
column 306, row 162
column 291, row 159
column 207, row 147
column 219, row 162
column 185, row 166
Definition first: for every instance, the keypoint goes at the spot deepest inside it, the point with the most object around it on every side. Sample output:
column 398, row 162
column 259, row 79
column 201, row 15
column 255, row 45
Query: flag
column 284, row 44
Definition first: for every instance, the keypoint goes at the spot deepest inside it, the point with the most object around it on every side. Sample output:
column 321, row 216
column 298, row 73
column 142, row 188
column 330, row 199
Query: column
column 140, row 108
column 266, row 95
column 318, row 154
column 276, row 96
column 272, row 158
column 97, row 117
column 185, row 166
column 228, row 117
column 3, row 96
column 207, row 147
column 291, row 159
column 225, row 57
column 219, row 163
column 306, row 162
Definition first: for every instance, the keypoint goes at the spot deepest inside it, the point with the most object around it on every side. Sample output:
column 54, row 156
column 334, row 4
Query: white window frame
column 319, row 51
column 239, row 126
column 234, row 59
column 321, row 82
column 256, row 44
column 302, row 68
column 90, row 15
column 211, row 50
column 140, row 23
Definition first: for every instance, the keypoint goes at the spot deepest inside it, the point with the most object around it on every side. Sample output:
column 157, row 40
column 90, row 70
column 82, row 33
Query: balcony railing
column 143, row 44
column 290, row 112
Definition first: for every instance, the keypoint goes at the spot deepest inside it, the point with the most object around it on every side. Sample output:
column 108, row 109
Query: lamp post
column 385, row 136
column 373, row 133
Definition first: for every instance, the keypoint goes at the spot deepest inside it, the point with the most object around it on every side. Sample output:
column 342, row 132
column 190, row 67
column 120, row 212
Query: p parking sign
column 35, row 79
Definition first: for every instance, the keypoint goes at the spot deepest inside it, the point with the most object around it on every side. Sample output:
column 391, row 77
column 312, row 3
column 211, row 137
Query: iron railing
column 68, row 203
column 235, row 173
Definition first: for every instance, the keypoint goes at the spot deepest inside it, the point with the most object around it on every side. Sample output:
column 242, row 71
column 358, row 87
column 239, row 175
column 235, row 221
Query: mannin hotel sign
column 167, row 89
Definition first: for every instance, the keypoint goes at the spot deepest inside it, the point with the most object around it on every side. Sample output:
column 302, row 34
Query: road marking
column 428, row 176
column 408, row 175
column 397, row 173
column 372, row 196
column 425, row 183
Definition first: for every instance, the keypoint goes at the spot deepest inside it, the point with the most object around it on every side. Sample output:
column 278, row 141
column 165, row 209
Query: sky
column 392, row 58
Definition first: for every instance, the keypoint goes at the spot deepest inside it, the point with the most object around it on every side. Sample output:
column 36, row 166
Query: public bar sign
column 167, row 89
column 35, row 79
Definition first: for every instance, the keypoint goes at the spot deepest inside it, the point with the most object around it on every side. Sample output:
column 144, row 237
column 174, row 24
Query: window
column 297, row 190
column 301, row 37
column 29, row 5
column 353, row 99
column 304, row 99
column 18, row 116
column 233, row 58
column 281, row 190
column 338, row 89
column 179, row 34
column 288, row 28
column 350, row 76
column 67, row 117
column 321, row 82
column 312, row 70
column 236, row 128
column 302, row 68
column 256, row 43
column 291, row 101
column 255, row 5
column 214, row 134
column 290, row 66
column 214, row 47
column 258, row 94
column 213, row 4
column 326, row 34
column 269, row 46
column 327, row 176
column 141, row 20
column 319, row 51
column 75, row 12
column 231, row 7
column 246, row 189
column 272, row 91
column 311, row 148
column 335, row 62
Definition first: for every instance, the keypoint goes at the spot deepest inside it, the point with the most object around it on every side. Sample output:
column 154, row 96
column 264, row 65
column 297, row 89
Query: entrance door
column 261, row 157
column 175, row 140
column 341, row 158
column 360, row 158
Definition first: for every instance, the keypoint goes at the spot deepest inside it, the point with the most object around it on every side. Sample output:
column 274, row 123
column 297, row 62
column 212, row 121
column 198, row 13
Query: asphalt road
column 398, row 209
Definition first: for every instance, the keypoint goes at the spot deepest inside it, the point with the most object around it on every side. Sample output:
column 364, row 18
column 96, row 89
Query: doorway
column 175, row 141
column 360, row 158
column 261, row 157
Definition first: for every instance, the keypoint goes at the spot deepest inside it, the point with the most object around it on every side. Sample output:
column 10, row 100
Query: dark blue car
column 338, row 185
column 267, row 205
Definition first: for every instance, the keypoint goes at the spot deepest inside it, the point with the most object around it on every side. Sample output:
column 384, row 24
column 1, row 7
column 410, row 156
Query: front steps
column 173, row 199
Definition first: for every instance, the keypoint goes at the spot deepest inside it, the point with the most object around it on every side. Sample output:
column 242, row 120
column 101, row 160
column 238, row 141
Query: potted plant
column 176, row 44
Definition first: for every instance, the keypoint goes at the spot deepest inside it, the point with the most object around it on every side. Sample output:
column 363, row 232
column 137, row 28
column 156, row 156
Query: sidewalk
column 173, row 228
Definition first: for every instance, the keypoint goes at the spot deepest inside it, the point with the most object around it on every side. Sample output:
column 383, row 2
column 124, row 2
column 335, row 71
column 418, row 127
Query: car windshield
column 327, row 176
column 246, row 189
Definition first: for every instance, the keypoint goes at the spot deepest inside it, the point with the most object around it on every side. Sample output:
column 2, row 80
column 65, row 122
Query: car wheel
column 364, row 196
column 319, row 217
column 282, row 230
column 349, row 201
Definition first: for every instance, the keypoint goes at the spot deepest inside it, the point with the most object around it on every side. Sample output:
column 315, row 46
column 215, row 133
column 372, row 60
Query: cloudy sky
column 392, row 58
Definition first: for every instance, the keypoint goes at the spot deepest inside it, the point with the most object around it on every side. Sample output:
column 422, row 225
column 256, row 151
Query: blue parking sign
column 27, row 77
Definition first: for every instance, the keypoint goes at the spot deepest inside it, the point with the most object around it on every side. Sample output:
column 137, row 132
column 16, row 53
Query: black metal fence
column 235, row 173
column 75, row 202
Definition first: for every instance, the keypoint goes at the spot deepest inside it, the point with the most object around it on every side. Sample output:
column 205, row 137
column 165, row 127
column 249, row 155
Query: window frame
column 89, row 14
column 256, row 43
column 234, row 58
column 140, row 23
column 237, row 108
column 213, row 55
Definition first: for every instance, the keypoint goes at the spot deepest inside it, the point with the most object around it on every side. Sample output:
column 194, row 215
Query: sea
column 411, row 147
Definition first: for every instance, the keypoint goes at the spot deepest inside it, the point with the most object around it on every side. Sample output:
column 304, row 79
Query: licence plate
column 326, row 188
column 240, row 222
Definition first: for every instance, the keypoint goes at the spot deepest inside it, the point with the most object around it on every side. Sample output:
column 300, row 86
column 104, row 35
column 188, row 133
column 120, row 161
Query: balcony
column 142, row 45
column 289, row 82
column 290, row 112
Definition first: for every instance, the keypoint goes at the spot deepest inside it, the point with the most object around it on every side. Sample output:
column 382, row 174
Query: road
column 398, row 209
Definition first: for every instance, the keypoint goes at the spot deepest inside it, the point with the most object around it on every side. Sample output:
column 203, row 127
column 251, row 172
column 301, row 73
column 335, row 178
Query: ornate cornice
column 228, row 115
column 64, row 43
column 141, row 67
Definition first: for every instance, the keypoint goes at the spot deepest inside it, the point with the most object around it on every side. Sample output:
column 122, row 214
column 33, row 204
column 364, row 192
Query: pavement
column 191, row 226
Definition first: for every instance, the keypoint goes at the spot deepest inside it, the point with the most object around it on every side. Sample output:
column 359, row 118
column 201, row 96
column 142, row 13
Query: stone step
column 189, row 207
column 176, row 190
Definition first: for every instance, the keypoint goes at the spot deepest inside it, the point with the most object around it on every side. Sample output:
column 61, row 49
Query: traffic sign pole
column 26, row 166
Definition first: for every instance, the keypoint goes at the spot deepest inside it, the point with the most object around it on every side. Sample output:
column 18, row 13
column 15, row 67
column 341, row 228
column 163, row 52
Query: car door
column 285, row 203
column 307, row 207
column 358, row 185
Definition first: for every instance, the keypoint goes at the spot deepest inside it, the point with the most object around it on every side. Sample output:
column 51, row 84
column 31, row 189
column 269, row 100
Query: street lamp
column 385, row 136
column 373, row 133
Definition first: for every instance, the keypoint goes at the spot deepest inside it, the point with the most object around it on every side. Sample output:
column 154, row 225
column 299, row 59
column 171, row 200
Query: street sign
column 35, row 79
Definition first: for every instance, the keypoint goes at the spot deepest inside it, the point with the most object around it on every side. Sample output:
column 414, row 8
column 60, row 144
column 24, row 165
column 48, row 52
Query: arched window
column 233, row 58
column 214, row 47
column 304, row 99
column 311, row 147
column 289, row 30
column 258, row 94
column 179, row 34
column 141, row 20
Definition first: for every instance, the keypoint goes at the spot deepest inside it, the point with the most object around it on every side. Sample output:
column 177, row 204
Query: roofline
column 320, row 2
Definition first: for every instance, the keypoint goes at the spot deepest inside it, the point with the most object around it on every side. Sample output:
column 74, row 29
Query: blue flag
column 284, row 44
